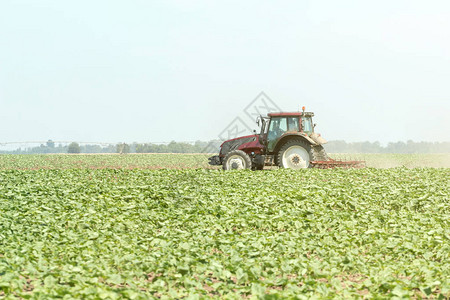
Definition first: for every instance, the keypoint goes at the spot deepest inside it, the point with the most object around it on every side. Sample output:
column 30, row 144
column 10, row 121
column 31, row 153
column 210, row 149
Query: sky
column 156, row 71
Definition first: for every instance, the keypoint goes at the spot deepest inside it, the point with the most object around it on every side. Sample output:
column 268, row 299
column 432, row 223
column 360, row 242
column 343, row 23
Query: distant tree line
column 122, row 148
column 50, row 147
column 175, row 147
column 213, row 146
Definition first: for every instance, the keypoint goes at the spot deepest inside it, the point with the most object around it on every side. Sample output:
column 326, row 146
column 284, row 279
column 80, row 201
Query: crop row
column 183, row 161
column 138, row 233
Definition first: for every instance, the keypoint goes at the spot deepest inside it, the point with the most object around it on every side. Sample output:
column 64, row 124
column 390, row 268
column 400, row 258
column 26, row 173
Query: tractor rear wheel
column 237, row 160
column 295, row 154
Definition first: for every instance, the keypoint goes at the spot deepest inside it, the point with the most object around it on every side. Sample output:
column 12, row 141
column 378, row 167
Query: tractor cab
column 279, row 125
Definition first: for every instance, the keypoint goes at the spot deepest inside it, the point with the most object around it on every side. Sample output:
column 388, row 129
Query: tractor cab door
column 277, row 127
column 264, row 129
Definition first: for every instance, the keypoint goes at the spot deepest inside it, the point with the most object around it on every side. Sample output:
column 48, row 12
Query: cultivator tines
column 331, row 164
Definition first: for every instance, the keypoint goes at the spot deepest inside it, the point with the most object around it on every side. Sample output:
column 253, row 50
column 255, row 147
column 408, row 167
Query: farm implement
column 330, row 164
column 286, row 139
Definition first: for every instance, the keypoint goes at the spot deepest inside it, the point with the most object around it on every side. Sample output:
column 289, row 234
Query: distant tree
column 122, row 148
column 109, row 149
column 91, row 149
column 73, row 148
column 133, row 147
column 50, row 144
column 43, row 149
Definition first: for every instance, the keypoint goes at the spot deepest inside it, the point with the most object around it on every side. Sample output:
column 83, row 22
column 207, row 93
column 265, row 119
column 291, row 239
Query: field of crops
column 183, row 161
column 104, row 161
column 116, row 226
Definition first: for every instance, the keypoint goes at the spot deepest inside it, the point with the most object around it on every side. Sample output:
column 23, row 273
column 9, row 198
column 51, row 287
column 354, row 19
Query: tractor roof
column 290, row 114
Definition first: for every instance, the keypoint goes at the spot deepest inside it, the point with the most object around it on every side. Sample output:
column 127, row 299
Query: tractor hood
column 235, row 144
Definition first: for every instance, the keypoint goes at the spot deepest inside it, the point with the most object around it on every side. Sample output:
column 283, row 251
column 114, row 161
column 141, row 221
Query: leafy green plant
column 140, row 233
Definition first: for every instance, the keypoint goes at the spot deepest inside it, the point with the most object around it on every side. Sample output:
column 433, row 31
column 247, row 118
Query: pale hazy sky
column 183, row 70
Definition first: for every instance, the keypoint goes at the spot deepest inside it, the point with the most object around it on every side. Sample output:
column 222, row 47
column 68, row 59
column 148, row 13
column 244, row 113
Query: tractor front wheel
column 237, row 160
column 294, row 154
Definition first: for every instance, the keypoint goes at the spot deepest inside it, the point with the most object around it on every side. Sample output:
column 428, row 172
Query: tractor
column 286, row 139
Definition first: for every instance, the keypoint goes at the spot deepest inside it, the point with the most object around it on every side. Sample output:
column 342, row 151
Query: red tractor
column 287, row 140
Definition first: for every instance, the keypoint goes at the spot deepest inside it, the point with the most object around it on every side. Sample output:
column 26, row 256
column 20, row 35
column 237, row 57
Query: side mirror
column 257, row 121
column 315, row 125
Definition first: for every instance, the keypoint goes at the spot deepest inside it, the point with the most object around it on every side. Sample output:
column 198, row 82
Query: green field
column 183, row 161
column 119, row 226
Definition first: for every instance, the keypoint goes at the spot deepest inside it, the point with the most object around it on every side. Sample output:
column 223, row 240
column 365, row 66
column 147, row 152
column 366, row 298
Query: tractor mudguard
column 310, row 140
column 318, row 138
column 284, row 138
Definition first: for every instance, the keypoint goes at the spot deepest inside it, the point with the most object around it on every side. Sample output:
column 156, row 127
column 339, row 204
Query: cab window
column 292, row 124
column 307, row 125
column 278, row 126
